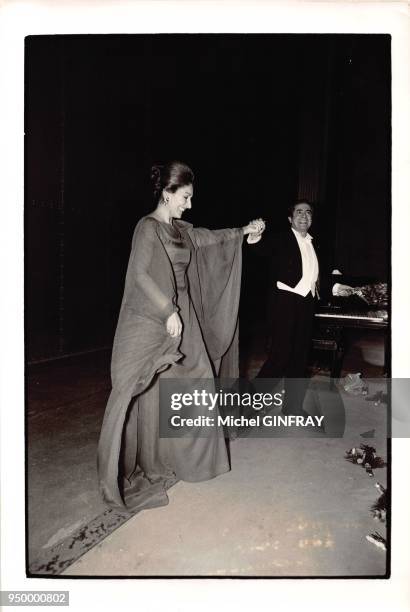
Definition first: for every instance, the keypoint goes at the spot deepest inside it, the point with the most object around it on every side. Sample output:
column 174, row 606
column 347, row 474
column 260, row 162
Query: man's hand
column 340, row 290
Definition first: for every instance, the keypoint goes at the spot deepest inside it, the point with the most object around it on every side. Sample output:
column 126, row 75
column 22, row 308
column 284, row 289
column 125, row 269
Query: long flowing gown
column 136, row 464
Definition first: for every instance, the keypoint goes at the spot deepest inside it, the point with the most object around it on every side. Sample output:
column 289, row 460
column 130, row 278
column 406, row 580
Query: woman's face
column 179, row 201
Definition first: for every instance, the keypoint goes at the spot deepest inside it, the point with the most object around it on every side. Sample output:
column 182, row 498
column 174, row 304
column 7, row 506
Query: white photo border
column 19, row 19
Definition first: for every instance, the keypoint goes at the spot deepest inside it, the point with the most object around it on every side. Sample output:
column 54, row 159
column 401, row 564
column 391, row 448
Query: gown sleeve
column 203, row 237
column 144, row 244
column 215, row 282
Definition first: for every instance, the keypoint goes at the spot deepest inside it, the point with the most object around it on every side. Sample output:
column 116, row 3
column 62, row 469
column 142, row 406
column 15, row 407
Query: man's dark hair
column 301, row 201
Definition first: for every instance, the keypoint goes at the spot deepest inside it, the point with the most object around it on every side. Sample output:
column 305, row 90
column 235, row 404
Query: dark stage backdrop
column 262, row 119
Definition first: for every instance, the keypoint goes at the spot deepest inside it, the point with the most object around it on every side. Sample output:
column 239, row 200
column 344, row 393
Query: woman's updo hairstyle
column 170, row 176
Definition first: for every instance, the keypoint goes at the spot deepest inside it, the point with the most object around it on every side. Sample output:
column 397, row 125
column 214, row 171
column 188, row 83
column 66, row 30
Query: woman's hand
column 174, row 325
column 257, row 226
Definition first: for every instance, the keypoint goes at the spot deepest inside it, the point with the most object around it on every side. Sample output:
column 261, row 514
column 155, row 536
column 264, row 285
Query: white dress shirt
column 310, row 267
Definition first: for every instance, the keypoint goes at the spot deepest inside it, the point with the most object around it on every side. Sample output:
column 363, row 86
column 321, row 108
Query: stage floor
column 289, row 507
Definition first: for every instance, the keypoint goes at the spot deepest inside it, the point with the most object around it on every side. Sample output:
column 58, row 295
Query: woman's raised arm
column 205, row 237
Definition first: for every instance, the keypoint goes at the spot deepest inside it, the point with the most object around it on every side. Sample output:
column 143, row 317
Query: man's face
column 301, row 219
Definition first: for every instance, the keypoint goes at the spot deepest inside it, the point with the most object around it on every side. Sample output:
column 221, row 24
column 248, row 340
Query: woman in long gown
column 178, row 320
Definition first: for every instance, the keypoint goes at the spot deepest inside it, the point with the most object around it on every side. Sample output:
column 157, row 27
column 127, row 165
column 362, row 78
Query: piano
column 334, row 315
column 366, row 318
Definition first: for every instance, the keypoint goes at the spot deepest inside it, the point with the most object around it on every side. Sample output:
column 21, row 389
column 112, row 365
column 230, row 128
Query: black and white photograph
column 208, row 305
column 198, row 204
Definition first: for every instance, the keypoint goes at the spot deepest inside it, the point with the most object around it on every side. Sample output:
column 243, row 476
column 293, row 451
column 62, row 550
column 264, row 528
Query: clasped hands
column 255, row 230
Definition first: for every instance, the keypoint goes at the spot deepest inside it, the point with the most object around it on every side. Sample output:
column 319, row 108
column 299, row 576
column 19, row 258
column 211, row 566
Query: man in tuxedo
column 294, row 277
